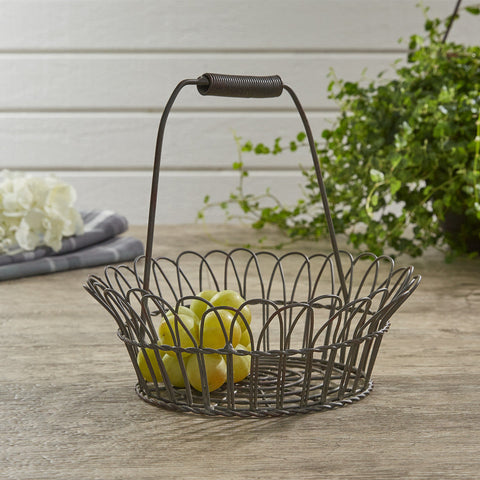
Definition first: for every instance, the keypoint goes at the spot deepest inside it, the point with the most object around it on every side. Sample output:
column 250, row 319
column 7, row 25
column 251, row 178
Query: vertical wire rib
column 323, row 192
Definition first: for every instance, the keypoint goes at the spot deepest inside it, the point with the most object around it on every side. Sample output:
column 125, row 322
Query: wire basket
column 311, row 326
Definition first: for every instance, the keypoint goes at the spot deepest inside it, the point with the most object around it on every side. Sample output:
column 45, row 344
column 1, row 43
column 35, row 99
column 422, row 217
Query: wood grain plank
column 68, row 409
column 118, row 141
column 215, row 24
column 181, row 193
column 143, row 82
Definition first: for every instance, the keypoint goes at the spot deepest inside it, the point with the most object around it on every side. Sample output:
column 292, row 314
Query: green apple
column 241, row 364
column 185, row 311
column 198, row 307
column 231, row 298
column 174, row 371
column 245, row 338
column 213, row 335
column 143, row 365
column 184, row 340
column 215, row 369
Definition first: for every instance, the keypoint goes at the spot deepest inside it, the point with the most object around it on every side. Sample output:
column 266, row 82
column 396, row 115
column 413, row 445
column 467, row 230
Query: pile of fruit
column 205, row 329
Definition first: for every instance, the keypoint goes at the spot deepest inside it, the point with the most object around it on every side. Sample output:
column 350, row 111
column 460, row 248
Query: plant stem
column 369, row 198
column 452, row 19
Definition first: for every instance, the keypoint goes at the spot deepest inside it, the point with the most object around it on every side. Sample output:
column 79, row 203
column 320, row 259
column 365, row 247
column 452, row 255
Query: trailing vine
column 400, row 162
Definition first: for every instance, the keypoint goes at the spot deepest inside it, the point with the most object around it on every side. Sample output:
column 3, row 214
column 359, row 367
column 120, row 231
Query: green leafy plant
column 401, row 163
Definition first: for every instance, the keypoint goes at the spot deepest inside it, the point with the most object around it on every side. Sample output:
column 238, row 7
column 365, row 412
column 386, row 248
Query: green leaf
column 276, row 147
column 261, row 149
column 301, row 136
column 247, row 147
column 429, row 25
column 415, row 41
column 395, row 185
column 439, row 130
column 473, row 10
column 376, row 175
column 326, row 134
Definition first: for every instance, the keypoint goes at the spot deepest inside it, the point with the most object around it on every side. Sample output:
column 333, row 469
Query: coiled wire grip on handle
column 246, row 87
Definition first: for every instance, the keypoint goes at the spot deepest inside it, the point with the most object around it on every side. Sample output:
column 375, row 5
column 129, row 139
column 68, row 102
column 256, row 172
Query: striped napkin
column 98, row 245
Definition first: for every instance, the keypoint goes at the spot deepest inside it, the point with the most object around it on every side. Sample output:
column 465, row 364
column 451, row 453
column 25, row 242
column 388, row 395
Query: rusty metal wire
column 312, row 349
column 317, row 321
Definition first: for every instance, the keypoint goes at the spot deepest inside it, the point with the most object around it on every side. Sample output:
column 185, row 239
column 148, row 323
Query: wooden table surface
column 68, row 408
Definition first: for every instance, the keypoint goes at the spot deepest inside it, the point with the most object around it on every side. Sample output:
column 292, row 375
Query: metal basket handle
column 245, row 87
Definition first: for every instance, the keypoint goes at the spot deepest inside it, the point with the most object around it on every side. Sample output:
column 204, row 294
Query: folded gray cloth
column 98, row 245
column 99, row 225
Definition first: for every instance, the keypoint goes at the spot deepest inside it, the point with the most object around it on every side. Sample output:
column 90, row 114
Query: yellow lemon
column 167, row 333
column 144, row 368
column 215, row 369
column 213, row 334
column 231, row 298
column 198, row 307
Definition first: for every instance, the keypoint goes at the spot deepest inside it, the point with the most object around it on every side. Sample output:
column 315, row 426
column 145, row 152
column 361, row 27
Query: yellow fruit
column 213, row 335
column 245, row 339
column 167, row 333
column 230, row 298
column 241, row 364
column 183, row 310
column 173, row 370
column 215, row 369
column 144, row 368
column 198, row 307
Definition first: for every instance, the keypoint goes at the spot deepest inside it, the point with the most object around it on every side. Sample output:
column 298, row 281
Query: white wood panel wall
column 83, row 84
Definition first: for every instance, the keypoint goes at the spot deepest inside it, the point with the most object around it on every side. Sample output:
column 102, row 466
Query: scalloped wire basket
column 317, row 321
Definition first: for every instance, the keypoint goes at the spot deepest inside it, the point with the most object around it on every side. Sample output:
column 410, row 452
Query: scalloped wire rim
column 308, row 355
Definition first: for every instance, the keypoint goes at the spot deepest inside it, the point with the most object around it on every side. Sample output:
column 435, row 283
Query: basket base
column 270, row 400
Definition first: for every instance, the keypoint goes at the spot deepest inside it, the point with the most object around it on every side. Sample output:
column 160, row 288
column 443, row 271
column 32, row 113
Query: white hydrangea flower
column 36, row 211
